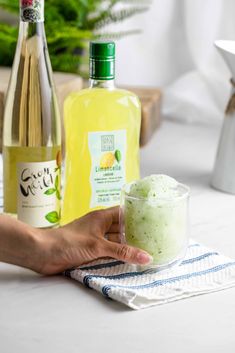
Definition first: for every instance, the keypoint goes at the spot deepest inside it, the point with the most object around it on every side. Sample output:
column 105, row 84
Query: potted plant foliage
column 70, row 25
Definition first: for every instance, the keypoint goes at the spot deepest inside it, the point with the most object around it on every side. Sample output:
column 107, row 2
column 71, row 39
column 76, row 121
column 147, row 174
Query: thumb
column 126, row 253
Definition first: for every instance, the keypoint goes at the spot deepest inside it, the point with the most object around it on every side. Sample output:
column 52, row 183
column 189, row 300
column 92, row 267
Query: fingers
column 111, row 218
column 114, row 237
column 108, row 219
column 126, row 253
column 114, row 228
column 113, row 213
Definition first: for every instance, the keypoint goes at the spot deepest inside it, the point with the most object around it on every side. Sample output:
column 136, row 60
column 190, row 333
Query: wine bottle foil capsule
column 32, row 11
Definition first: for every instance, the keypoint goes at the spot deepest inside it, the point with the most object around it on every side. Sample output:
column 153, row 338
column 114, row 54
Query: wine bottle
column 102, row 128
column 32, row 128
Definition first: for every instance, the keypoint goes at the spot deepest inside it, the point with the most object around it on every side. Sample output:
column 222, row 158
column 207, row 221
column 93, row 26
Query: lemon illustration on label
column 107, row 160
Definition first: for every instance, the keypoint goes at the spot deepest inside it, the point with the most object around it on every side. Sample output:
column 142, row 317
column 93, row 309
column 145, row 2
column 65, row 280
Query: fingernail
column 144, row 258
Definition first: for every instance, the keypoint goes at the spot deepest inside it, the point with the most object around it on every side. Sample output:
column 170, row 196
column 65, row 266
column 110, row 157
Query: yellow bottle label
column 108, row 159
column 38, row 201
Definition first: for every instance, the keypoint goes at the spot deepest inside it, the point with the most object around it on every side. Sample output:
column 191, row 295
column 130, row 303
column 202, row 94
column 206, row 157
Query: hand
column 93, row 236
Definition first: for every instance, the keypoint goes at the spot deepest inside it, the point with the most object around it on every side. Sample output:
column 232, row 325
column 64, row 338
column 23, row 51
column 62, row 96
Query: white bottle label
column 38, row 202
column 108, row 161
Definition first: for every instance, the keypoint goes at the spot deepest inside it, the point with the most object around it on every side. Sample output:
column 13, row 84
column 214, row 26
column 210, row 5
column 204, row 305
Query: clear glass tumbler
column 159, row 226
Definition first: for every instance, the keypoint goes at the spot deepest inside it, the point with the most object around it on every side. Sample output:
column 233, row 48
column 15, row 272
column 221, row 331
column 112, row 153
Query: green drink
column 155, row 218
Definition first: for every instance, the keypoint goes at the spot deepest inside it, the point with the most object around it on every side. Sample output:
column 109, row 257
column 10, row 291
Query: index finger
column 113, row 213
column 111, row 216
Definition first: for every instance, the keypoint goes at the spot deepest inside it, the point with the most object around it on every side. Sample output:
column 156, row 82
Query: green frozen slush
column 156, row 217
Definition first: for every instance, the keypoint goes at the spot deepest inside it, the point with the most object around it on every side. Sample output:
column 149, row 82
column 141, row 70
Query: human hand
column 92, row 236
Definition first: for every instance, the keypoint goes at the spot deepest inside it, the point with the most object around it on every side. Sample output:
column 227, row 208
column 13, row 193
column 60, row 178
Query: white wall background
column 175, row 51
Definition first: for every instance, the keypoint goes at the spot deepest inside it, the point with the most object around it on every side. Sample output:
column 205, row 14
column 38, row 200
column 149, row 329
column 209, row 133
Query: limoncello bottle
column 32, row 131
column 102, row 128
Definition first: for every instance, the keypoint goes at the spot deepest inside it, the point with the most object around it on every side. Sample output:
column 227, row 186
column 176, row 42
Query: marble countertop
column 56, row 314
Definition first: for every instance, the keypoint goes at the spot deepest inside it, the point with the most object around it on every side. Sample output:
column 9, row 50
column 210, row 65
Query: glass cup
column 159, row 226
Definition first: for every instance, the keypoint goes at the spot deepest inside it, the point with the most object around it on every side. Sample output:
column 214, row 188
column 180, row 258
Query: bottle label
column 108, row 175
column 32, row 10
column 38, row 202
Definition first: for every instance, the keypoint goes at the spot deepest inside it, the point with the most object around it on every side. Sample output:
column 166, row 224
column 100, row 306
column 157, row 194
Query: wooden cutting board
column 65, row 83
column 151, row 99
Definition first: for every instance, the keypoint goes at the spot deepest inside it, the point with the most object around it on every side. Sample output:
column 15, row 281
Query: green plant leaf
column 50, row 191
column 56, row 182
column 116, row 35
column 58, row 195
column 52, row 217
column 118, row 156
column 11, row 6
column 115, row 16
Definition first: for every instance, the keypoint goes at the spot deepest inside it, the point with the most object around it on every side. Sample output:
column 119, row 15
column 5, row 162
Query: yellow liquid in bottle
column 91, row 111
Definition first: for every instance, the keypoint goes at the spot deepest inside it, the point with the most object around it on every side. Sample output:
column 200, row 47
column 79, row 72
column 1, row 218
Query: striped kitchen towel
column 202, row 271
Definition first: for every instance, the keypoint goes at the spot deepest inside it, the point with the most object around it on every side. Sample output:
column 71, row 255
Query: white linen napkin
column 202, row 271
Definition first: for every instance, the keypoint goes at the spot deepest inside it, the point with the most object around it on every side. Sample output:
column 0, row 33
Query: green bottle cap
column 102, row 60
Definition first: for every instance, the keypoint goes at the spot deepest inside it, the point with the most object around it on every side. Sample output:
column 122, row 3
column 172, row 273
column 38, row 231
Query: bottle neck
column 107, row 84
column 30, row 29
column 32, row 21
column 102, row 72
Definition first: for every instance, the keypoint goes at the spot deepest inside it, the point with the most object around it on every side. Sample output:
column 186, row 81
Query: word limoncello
column 102, row 126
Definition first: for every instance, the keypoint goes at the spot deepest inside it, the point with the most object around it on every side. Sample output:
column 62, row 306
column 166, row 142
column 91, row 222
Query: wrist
column 45, row 243
column 20, row 244
column 31, row 252
column 38, row 244
column 25, row 246
column 49, row 250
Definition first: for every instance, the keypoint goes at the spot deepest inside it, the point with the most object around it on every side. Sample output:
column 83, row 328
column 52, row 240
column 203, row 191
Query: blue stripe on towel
column 198, row 258
column 114, row 263
column 162, row 282
column 87, row 278
column 194, row 245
